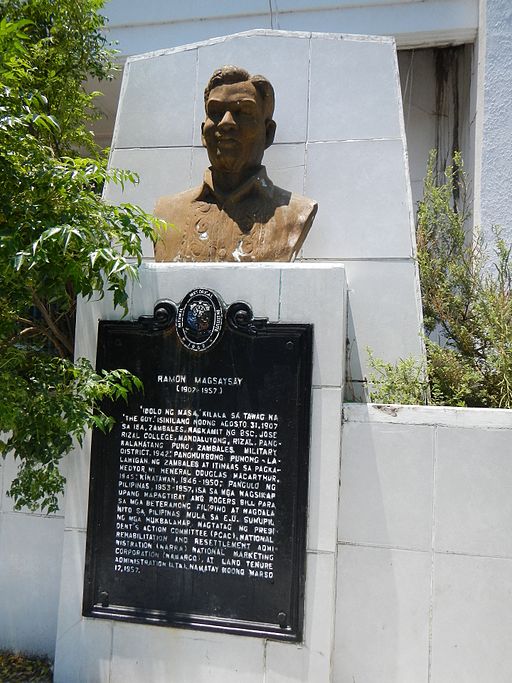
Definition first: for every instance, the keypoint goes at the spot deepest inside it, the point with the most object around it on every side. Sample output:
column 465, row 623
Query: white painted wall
column 494, row 140
column 156, row 24
column 424, row 583
column 30, row 570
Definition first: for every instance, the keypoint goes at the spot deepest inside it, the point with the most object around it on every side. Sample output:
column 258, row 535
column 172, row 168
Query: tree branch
column 62, row 343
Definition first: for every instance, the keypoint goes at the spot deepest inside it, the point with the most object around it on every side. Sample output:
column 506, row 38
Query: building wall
column 156, row 24
column 495, row 130
column 437, row 108
column 30, row 570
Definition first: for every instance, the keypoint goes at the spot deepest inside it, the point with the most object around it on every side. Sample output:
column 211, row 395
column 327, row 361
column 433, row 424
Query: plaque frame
column 287, row 619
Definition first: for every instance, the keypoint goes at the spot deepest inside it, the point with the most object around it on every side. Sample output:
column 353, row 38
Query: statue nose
column 227, row 119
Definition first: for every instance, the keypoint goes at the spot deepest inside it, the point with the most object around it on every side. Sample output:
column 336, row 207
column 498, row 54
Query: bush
column 466, row 290
column 18, row 668
column 403, row 382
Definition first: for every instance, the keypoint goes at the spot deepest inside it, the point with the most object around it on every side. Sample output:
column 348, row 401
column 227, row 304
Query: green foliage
column 62, row 46
column 59, row 400
column 404, row 382
column 18, row 668
column 467, row 299
column 58, row 239
column 467, row 303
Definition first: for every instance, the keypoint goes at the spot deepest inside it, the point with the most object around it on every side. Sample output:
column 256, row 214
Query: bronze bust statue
column 237, row 214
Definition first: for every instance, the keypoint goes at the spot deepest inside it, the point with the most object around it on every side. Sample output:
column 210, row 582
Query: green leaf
column 58, row 239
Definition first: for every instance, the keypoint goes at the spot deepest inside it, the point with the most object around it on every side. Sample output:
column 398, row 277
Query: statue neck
column 225, row 183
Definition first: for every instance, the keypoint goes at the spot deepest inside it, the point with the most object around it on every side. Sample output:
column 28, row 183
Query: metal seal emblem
column 200, row 319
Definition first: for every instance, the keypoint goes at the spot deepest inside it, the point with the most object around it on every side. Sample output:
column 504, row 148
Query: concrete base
column 99, row 651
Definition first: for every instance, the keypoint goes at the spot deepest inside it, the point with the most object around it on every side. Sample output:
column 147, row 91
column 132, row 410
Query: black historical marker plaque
column 198, row 496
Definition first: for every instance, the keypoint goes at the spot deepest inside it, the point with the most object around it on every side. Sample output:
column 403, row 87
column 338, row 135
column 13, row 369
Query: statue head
column 238, row 124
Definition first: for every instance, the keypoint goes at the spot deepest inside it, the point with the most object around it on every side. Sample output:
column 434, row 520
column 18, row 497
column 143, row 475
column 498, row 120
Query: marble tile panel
column 168, row 655
column 156, row 107
column 363, row 202
column 324, row 469
column 352, row 80
column 382, row 616
column 473, row 504
column 320, row 300
column 383, row 314
column 387, row 485
column 471, row 620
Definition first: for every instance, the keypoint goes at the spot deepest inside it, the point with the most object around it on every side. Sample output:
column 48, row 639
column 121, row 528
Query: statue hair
column 229, row 74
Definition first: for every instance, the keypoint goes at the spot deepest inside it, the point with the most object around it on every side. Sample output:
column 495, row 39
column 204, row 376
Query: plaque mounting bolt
column 281, row 619
column 290, row 345
column 104, row 598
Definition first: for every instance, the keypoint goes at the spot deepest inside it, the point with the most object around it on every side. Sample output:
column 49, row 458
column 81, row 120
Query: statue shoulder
column 172, row 206
column 175, row 210
column 304, row 207
column 294, row 218
column 297, row 209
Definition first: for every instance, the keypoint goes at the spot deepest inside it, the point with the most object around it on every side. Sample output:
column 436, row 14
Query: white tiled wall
column 344, row 73
column 382, row 627
column 424, row 581
column 387, row 486
column 354, row 221
column 340, row 140
column 471, row 625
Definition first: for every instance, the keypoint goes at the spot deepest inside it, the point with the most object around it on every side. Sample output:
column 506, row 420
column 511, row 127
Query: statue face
column 235, row 132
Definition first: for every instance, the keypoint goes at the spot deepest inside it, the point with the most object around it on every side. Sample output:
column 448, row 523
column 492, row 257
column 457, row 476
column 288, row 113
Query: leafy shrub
column 18, row 668
column 403, row 382
column 466, row 290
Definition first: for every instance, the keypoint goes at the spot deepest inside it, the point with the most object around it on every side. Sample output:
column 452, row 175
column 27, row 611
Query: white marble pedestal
column 102, row 651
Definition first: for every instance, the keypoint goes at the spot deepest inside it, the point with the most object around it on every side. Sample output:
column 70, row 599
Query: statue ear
column 203, row 141
column 270, row 132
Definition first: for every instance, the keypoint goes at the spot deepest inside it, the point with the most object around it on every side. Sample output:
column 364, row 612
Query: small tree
column 58, row 240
